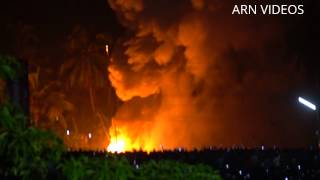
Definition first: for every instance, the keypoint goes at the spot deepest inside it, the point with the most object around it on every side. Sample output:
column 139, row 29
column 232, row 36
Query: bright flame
column 122, row 141
column 117, row 145
column 119, row 141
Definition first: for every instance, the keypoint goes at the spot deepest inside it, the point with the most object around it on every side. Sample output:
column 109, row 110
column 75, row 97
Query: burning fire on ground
column 121, row 141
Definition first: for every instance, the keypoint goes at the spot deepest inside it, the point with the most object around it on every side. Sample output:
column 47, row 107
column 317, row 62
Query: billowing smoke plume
column 194, row 75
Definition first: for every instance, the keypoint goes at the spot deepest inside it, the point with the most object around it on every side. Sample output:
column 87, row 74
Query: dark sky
column 53, row 20
column 57, row 12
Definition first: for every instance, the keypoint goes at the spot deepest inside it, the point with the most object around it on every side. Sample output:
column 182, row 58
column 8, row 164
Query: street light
column 307, row 103
column 314, row 108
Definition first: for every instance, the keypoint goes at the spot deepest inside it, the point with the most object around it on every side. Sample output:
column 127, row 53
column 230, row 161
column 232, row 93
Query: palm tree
column 85, row 67
column 84, row 73
column 48, row 102
column 55, row 108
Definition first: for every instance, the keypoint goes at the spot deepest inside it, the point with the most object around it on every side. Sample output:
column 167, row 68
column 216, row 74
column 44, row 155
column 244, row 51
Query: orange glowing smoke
column 188, row 79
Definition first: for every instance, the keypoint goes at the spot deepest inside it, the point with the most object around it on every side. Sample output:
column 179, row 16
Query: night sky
column 53, row 20
column 237, row 77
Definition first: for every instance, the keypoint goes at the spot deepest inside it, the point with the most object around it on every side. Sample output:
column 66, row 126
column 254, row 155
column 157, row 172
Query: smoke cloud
column 193, row 75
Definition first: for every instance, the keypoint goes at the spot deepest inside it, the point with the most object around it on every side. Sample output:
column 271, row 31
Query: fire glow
column 119, row 142
column 117, row 145
column 122, row 140
column 179, row 83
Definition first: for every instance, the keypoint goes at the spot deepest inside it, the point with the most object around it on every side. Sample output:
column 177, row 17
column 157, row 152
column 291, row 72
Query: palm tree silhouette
column 48, row 102
column 85, row 67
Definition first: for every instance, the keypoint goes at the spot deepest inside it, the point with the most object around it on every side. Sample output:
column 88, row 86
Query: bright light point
column 118, row 146
column 89, row 135
column 107, row 49
column 262, row 148
column 227, row 166
column 240, row 172
column 299, row 167
column 286, row 178
column 68, row 132
column 307, row 103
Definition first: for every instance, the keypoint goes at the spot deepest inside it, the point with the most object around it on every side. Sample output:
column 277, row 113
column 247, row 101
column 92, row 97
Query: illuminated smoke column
column 193, row 75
